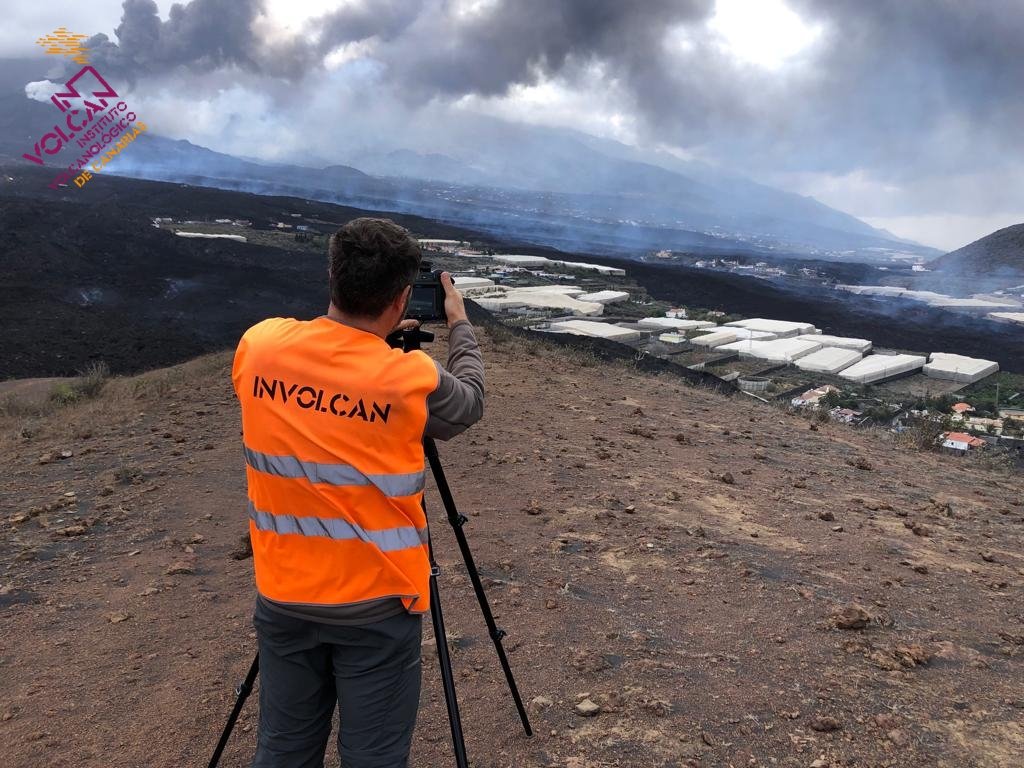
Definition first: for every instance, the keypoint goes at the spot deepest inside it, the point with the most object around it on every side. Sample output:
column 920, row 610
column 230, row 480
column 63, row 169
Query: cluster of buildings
column 442, row 246
column 159, row 221
column 1007, row 419
column 964, row 433
column 977, row 432
column 777, row 344
column 570, row 309
column 802, row 345
column 527, row 261
column 760, row 269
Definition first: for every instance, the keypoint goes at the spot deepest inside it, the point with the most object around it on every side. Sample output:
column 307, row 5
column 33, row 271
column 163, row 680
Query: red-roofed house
column 960, row 410
column 961, row 441
column 812, row 396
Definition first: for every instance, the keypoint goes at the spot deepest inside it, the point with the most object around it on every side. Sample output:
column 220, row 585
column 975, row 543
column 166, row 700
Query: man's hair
column 371, row 263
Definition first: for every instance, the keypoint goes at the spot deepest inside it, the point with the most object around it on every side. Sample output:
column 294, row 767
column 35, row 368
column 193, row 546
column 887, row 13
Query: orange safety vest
column 332, row 427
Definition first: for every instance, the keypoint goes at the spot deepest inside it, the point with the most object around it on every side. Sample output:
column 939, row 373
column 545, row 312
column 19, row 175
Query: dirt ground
column 685, row 561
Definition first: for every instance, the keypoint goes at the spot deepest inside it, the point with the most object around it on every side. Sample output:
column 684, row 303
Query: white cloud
column 359, row 50
column 593, row 103
column 285, row 20
column 41, row 90
column 766, row 33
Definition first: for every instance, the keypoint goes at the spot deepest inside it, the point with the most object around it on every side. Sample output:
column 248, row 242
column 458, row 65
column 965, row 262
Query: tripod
column 410, row 340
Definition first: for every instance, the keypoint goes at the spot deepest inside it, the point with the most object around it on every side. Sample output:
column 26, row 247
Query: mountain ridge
column 1001, row 251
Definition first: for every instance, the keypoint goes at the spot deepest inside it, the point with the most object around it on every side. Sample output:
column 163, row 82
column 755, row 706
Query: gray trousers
column 371, row 672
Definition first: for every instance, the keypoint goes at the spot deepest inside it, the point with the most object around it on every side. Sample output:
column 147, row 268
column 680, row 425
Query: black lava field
column 86, row 277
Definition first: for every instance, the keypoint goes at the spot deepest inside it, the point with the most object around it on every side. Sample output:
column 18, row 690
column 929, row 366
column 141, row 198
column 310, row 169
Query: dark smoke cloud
column 206, row 35
column 904, row 87
column 203, row 35
column 516, row 42
column 919, row 94
column 916, row 85
column 892, row 79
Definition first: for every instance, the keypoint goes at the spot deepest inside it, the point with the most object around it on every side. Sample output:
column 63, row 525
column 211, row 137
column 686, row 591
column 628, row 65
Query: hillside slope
column 658, row 548
column 1000, row 252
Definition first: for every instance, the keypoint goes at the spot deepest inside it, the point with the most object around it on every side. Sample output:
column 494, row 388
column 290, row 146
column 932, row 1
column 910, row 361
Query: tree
column 830, row 400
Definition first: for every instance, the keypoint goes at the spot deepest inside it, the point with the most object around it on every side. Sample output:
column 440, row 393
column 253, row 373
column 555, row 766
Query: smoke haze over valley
column 901, row 114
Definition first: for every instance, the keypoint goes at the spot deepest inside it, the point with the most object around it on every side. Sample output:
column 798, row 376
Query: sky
column 905, row 113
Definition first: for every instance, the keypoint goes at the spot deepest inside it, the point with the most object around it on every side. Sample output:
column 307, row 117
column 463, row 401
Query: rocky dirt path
column 687, row 580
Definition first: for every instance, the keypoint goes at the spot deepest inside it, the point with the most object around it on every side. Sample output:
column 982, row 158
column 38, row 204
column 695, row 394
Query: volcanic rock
column 851, row 616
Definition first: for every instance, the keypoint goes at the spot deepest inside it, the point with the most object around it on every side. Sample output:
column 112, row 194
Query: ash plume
column 891, row 79
column 203, row 35
column 207, row 35
column 900, row 110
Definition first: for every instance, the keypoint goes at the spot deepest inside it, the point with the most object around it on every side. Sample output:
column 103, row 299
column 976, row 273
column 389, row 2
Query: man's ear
column 403, row 299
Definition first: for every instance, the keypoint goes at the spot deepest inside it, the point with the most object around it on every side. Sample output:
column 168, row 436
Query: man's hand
column 454, row 307
column 406, row 325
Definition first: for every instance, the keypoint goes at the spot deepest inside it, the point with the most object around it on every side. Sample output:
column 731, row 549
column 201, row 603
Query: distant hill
column 590, row 180
column 1000, row 252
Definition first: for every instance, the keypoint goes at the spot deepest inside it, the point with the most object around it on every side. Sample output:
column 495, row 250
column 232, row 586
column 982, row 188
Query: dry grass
column 86, row 386
column 921, row 435
column 96, row 401
column 153, row 385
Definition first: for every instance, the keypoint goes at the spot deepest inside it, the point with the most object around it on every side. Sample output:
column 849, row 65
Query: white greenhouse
column 774, row 351
column 878, row 367
column 714, row 339
column 605, row 297
column 596, row 330
column 830, row 360
column 951, row 367
column 781, row 328
column 844, row 342
column 675, row 324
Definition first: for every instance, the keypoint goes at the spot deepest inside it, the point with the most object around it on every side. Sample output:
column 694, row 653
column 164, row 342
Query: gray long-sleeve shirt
column 458, row 401
column 456, row 404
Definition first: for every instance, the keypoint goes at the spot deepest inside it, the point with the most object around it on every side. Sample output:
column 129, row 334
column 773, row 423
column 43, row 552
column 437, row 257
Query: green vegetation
column 880, row 413
column 88, row 385
column 982, row 395
column 841, row 399
column 698, row 313
column 938, row 403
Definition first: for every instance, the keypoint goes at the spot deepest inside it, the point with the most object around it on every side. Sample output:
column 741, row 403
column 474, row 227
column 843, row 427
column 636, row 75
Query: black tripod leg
column 241, row 694
column 445, row 661
column 457, row 520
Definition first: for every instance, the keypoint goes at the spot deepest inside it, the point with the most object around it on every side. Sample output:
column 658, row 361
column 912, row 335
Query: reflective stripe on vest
column 386, row 540
column 395, row 485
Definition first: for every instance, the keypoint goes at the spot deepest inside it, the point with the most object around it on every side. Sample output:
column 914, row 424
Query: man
column 333, row 421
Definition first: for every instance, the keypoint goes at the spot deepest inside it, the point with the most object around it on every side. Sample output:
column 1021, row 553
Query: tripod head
column 410, row 339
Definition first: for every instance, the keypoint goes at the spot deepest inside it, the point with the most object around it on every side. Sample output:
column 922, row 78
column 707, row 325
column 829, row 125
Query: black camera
column 427, row 300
